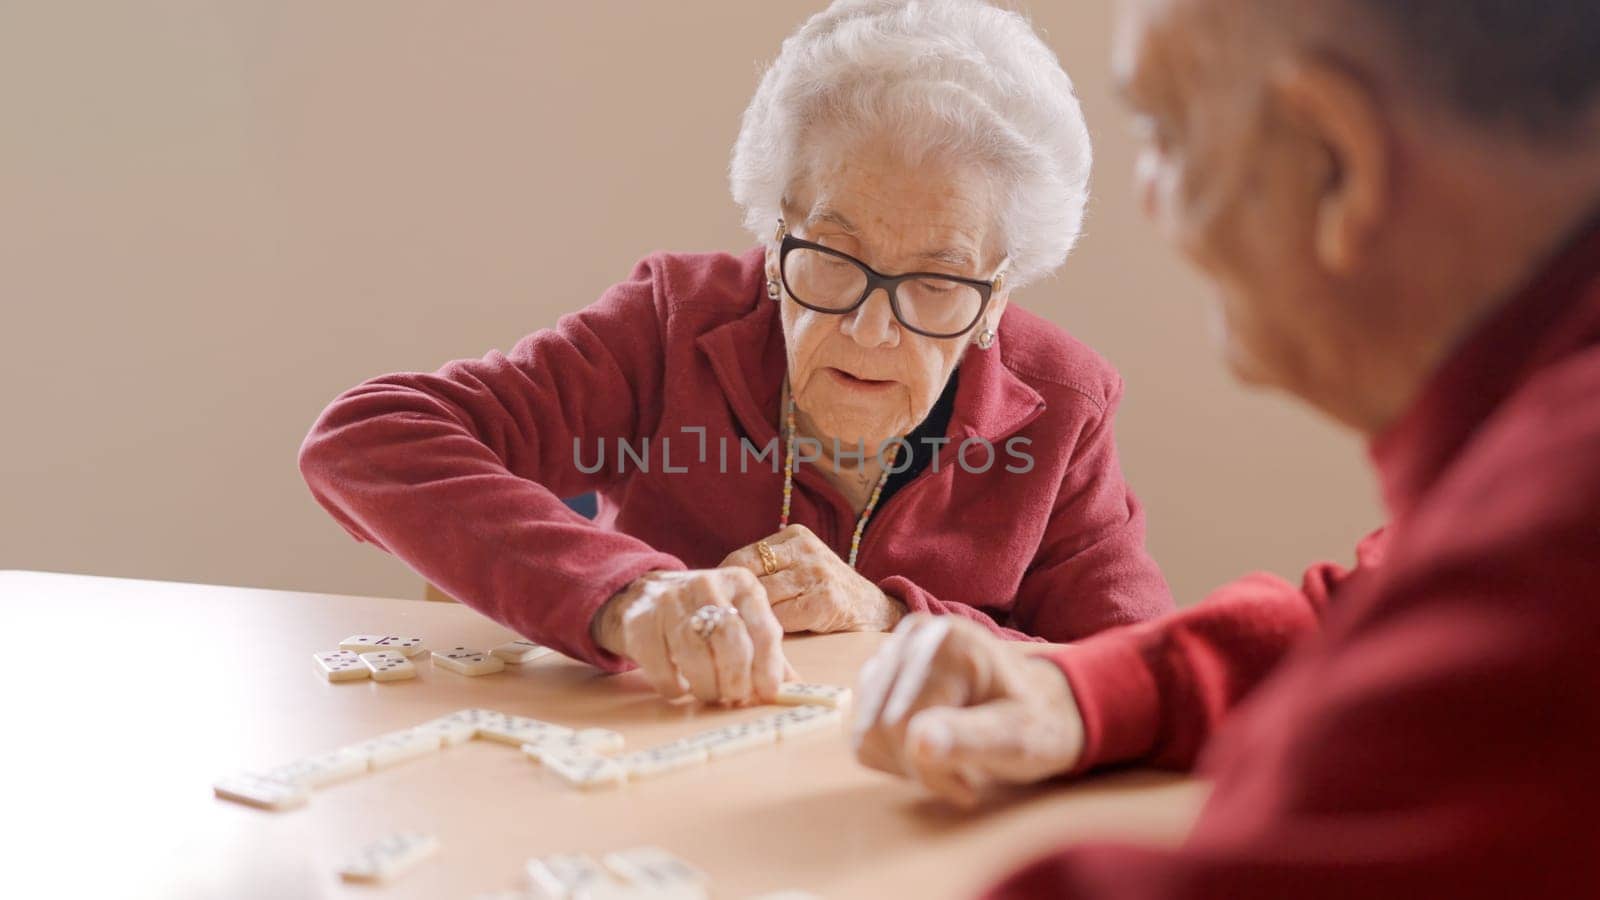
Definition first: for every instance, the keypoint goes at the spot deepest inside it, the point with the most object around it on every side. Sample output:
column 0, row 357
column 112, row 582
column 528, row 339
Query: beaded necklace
column 789, row 433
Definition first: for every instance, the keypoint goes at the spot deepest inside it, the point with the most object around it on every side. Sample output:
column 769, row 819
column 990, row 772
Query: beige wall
column 216, row 215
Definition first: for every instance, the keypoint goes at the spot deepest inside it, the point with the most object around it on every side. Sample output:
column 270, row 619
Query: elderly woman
column 844, row 424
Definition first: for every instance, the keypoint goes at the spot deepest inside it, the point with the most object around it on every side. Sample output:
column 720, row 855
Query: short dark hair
column 1531, row 64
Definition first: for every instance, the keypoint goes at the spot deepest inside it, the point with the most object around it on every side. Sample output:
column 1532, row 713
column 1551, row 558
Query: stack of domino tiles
column 471, row 662
column 376, row 656
column 585, row 766
column 389, row 658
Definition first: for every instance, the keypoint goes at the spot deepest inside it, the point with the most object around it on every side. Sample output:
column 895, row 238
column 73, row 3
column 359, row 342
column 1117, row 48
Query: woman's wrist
column 890, row 612
column 606, row 626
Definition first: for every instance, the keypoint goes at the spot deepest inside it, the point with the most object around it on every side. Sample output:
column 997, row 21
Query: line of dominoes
column 638, row 873
column 817, row 706
column 581, row 757
column 290, row 785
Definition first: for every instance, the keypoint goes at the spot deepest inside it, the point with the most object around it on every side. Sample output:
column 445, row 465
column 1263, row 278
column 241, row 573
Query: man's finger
column 915, row 668
column 874, row 745
column 873, row 742
column 979, row 745
column 931, row 768
column 877, row 676
column 874, row 752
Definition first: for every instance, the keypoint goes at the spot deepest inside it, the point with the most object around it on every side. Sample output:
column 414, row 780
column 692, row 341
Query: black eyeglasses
column 928, row 303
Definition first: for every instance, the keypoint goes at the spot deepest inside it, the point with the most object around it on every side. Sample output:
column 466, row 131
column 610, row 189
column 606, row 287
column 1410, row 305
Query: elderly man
column 1399, row 201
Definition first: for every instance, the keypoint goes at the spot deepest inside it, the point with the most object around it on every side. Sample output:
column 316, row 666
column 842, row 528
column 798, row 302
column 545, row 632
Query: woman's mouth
column 854, row 382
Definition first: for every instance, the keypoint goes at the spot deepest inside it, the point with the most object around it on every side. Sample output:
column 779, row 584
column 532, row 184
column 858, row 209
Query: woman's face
column 862, row 377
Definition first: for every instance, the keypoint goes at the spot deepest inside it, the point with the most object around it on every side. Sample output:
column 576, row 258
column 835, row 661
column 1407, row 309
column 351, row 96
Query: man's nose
column 872, row 324
column 1145, row 184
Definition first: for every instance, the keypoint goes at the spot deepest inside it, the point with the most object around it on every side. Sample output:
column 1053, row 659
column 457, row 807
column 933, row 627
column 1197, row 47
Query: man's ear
column 1341, row 123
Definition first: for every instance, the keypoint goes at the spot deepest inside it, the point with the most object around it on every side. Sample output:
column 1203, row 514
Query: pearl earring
column 772, row 289
column 985, row 338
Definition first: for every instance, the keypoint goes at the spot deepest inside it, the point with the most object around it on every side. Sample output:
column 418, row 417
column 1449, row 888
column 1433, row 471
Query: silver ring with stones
column 705, row 620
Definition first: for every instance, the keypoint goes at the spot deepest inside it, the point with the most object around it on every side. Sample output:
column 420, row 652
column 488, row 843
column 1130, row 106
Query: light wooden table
column 126, row 699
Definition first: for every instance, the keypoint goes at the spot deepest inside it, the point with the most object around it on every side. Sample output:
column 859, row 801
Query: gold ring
column 769, row 560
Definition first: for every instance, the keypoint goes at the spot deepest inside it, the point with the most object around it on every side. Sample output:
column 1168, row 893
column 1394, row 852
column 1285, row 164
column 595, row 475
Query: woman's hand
column 948, row 705
column 730, row 653
column 811, row 589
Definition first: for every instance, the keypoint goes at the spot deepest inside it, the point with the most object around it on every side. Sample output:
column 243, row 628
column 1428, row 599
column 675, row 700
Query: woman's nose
column 872, row 324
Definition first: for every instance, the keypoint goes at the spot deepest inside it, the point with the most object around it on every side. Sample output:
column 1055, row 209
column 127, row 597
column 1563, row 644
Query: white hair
column 956, row 76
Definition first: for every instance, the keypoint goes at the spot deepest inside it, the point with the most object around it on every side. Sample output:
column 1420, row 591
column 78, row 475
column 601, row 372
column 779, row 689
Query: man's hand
column 739, row 658
column 811, row 589
column 947, row 704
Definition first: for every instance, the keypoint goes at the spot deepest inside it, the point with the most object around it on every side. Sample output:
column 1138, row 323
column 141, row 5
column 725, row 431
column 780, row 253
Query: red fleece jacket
column 459, row 472
column 1426, row 725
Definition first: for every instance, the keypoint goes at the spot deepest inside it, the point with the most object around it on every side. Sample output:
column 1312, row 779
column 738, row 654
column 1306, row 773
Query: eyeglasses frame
column 788, row 243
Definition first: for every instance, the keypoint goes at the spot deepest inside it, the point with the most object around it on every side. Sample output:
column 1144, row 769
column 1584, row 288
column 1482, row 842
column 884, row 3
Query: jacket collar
column 1554, row 314
column 747, row 355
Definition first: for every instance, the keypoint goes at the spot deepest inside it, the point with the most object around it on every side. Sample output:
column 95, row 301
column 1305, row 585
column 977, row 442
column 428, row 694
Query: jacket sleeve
column 1154, row 692
column 1446, row 750
column 917, row 599
column 460, row 473
column 1091, row 570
